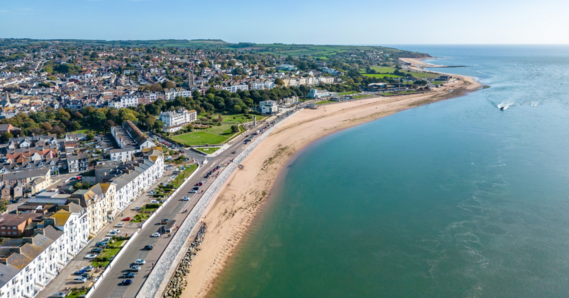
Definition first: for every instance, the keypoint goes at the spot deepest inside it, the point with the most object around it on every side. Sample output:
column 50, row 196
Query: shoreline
column 239, row 203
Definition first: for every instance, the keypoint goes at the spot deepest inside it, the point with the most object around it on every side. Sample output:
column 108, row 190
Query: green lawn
column 76, row 294
column 208, row 150
column 324, row 102
column 380, row 75
column 185, row 173
column 348, row 93
column 200, row 138
column 109, row 252
column 223, row 129
column 86, row 130
column 360, row 96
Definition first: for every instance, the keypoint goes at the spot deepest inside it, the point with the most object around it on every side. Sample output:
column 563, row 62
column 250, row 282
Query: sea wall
column 166, row 267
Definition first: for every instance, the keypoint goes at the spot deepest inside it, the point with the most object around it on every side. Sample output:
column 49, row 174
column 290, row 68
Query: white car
column 155, row 235
column 139, row 262
column 116, row 231
column 90, row 256
column 185, row 199
column 120, row 225
column 111, row 234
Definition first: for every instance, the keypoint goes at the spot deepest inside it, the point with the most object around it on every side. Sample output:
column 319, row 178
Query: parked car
column 155, row 235
column 126, row 219
column 126, row 282
column 199, row 183
column 193, row 191
column 106, row 240
column 116, row 231
column 112, row 234
column 139, row 262
column 129, row 275
column 88, row 268
column 120, row 225
column 59, row 295
column 79, row 279
column 154, row 202
column 185, row 199
column 101, row 244
column 97, row 250
column 138, row 208
column 164, row 221
column 79, row 272
column 134, row 268
column 233, row 152
column 91, row 256
column 148, row 247
column 196, row 188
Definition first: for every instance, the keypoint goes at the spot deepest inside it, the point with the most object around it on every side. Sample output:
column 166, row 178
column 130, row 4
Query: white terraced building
column 28, row 264
column 134, row 182
column 124, row 102
column 176, row 120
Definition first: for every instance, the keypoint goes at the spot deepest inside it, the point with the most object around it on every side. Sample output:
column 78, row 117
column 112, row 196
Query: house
column 176, row 120
column 268, row 107
column 123, row 154
column 8, row 128
column 316, row 93
column 78, row 163
column 137, row 136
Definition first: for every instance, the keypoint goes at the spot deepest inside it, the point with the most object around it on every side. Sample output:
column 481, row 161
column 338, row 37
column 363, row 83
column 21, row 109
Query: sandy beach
column 247, row 190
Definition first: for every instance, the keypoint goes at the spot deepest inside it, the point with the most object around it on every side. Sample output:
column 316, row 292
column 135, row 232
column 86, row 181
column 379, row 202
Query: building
column 268, row 107
column 78, row 163
column 290, row 101
column 137, row 136
column 317, row 93
column 123, row 154
column 286, row 67
column 176, row 120
column 124, row 102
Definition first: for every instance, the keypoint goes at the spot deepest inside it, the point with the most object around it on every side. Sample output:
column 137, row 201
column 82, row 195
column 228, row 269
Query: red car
column 182, row 152
column 126, row 219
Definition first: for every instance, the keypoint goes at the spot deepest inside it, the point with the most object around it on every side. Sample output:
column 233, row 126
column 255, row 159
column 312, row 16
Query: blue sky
column 293, row 21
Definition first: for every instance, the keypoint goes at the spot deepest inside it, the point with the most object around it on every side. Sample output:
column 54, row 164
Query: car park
column 139, row 262
column 148, row 247
column 126, row 282
column 91, row 256
column 155, row 235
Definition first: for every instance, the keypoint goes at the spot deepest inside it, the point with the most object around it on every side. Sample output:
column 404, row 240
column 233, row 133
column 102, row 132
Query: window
column 13, row 228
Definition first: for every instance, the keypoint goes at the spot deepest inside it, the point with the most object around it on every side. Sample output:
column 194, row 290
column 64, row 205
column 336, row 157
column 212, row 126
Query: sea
column 453, row 199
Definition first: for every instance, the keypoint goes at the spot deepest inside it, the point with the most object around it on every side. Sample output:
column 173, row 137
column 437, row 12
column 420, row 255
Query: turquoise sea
column 452, row 199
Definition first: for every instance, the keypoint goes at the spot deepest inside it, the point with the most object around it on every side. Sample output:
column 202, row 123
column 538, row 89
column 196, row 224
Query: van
column 79, row 279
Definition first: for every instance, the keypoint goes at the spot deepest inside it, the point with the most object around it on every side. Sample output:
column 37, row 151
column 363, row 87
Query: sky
column 355, row 22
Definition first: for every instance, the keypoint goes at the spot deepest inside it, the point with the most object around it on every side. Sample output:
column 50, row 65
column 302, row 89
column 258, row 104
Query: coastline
column 245, row 194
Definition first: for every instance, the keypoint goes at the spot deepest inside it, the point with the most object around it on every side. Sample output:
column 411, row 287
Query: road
column 172, row 210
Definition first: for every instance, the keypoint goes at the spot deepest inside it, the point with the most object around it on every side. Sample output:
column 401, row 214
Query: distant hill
column 318, row 51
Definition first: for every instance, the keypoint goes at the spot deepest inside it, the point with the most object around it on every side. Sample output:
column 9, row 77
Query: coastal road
column 62, row 280
column 172, row 210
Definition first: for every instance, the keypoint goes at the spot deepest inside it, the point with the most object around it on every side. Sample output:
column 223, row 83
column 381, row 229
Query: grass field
column 208, row 150
column 86, row 130
column 360, row 96
column 348, row 93
column 200, row 138
column 324, row 102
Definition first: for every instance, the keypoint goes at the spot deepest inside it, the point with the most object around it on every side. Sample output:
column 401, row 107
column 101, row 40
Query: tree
column 46, row 126
column 77, row 185
column 85, row 185
column 168, row 85
column 234, row 128
column 3, row 205
column 6, row 137
column 279, row 82
column 156, row 87
column 90, row 136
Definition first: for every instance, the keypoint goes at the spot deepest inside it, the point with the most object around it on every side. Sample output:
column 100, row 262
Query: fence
column 166, row 266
